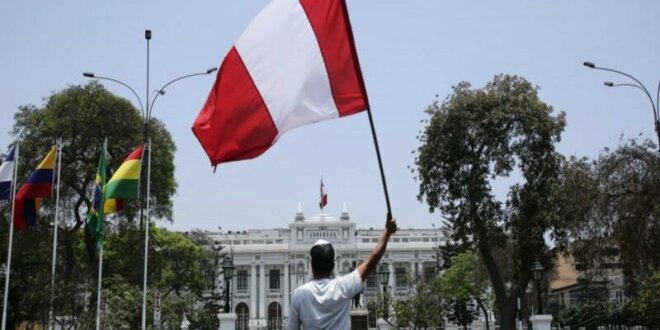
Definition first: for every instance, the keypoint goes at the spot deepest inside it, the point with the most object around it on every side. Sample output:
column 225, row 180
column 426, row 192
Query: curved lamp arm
column 611, row 84
column 91, row 75
column 161, row 91
column 640, row 85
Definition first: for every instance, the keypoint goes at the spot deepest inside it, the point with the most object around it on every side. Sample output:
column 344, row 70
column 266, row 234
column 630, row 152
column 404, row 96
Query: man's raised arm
column 368, row 266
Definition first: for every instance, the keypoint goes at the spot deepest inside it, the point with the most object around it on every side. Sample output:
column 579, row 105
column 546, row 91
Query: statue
column 356, row 298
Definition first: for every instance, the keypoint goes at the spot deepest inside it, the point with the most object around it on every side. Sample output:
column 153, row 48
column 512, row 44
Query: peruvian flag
column 324, row 197
column 295, row 64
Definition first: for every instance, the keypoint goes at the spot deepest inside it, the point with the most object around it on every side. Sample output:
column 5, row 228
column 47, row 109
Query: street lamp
column 537, row 273
column 146, row 115
column 638, row 84
column 384, row 278
column 228, row 272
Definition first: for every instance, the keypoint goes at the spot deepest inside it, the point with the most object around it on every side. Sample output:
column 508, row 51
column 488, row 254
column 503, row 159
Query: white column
column 541, row 321
column 310, row 274
column 285, row 308
column 262, row 291
column 413, row 276
column 392, row 277
column 227, row 321
column 253, row 292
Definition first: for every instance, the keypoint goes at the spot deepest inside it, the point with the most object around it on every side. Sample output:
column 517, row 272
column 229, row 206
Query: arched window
column 274, row 316
column 242, row 316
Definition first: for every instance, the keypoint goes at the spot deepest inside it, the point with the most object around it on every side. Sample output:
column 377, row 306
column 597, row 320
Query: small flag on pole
column 125, row 183
column 324, row 197
column 7, row 175
column 96, row 216
column 295, row 64
column 39, row 185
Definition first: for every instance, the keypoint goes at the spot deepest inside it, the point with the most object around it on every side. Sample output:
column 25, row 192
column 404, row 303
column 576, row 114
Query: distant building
column 271, row 263
column 570, row 287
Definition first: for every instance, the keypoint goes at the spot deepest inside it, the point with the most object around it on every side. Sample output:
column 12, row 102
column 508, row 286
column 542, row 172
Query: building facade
column 270, row 264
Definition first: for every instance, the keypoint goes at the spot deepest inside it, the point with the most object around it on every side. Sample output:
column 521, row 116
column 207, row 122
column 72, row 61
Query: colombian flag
column 38, row 185
column 125, row 183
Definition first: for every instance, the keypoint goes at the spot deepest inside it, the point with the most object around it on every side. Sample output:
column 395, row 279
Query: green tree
column 82, row 116
column 648, row 303
column 630, row 183
column 464, row 290
column 610, row 206
column 179, row 269
column 475, row 137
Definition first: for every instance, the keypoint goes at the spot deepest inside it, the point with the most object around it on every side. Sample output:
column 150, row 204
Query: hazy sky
column 409, row 50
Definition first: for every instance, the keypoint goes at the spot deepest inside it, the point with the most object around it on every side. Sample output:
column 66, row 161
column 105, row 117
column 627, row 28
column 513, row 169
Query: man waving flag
column 295, row 64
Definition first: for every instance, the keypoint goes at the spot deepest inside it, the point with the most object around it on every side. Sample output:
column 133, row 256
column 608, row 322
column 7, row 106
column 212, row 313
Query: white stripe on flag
column 6, row 171
column 287, row 67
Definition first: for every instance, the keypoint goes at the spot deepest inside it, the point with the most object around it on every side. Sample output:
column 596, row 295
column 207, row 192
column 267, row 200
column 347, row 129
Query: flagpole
column 98, row 290
column 146, row 239
column 380, row 165
column 11, row 238
column 100, row 219
column 51, row 320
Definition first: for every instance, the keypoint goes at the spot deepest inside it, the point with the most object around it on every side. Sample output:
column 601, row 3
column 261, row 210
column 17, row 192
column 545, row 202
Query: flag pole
column 380, row 165
column 101, row 218
column 146, row 239
column 98, row 290
column 11, row 238
column 51, row 320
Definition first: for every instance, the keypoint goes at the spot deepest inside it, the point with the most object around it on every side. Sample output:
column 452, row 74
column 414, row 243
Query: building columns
column 262, row 291
column 253, row 292
column 285, row 308
column 392, row 277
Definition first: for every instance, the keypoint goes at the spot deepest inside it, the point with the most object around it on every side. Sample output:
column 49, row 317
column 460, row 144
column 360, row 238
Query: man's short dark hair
column 323, row 259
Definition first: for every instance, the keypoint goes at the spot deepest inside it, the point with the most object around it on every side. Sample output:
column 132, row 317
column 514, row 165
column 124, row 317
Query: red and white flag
column 324, row 197
column 295, row 64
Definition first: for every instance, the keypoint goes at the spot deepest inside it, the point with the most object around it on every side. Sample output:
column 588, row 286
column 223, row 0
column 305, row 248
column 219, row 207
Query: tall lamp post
column 384, row 278
column 228, row 273
column 638, row 84
column 537, row 273
column 146, row 114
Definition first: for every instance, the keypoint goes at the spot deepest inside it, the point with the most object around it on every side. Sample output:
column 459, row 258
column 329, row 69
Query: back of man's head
column 323, row 258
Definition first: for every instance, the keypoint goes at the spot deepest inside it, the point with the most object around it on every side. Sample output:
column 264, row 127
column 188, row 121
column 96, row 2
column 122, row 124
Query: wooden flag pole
column 380, row 165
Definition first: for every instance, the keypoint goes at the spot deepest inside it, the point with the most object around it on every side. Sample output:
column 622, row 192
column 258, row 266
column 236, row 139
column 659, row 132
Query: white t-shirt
column 324, row 304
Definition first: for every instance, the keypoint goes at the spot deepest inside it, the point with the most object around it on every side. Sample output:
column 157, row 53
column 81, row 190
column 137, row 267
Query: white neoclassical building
column 271, row 263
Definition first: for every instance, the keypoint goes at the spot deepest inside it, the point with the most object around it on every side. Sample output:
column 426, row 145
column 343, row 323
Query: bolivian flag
column 38, row 185
column 96, row 215
column 125, row 183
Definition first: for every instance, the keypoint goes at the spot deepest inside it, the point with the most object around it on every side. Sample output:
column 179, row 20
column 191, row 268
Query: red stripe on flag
column 136, row 154
column 234, row 123
column 330, row 22
column 35, row 190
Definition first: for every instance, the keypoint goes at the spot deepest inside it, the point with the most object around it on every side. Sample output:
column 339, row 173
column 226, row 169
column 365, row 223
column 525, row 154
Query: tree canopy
column 182, row 269
column 474, row 137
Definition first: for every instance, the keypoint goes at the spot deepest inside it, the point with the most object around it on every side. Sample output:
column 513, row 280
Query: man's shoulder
column 307, row 287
